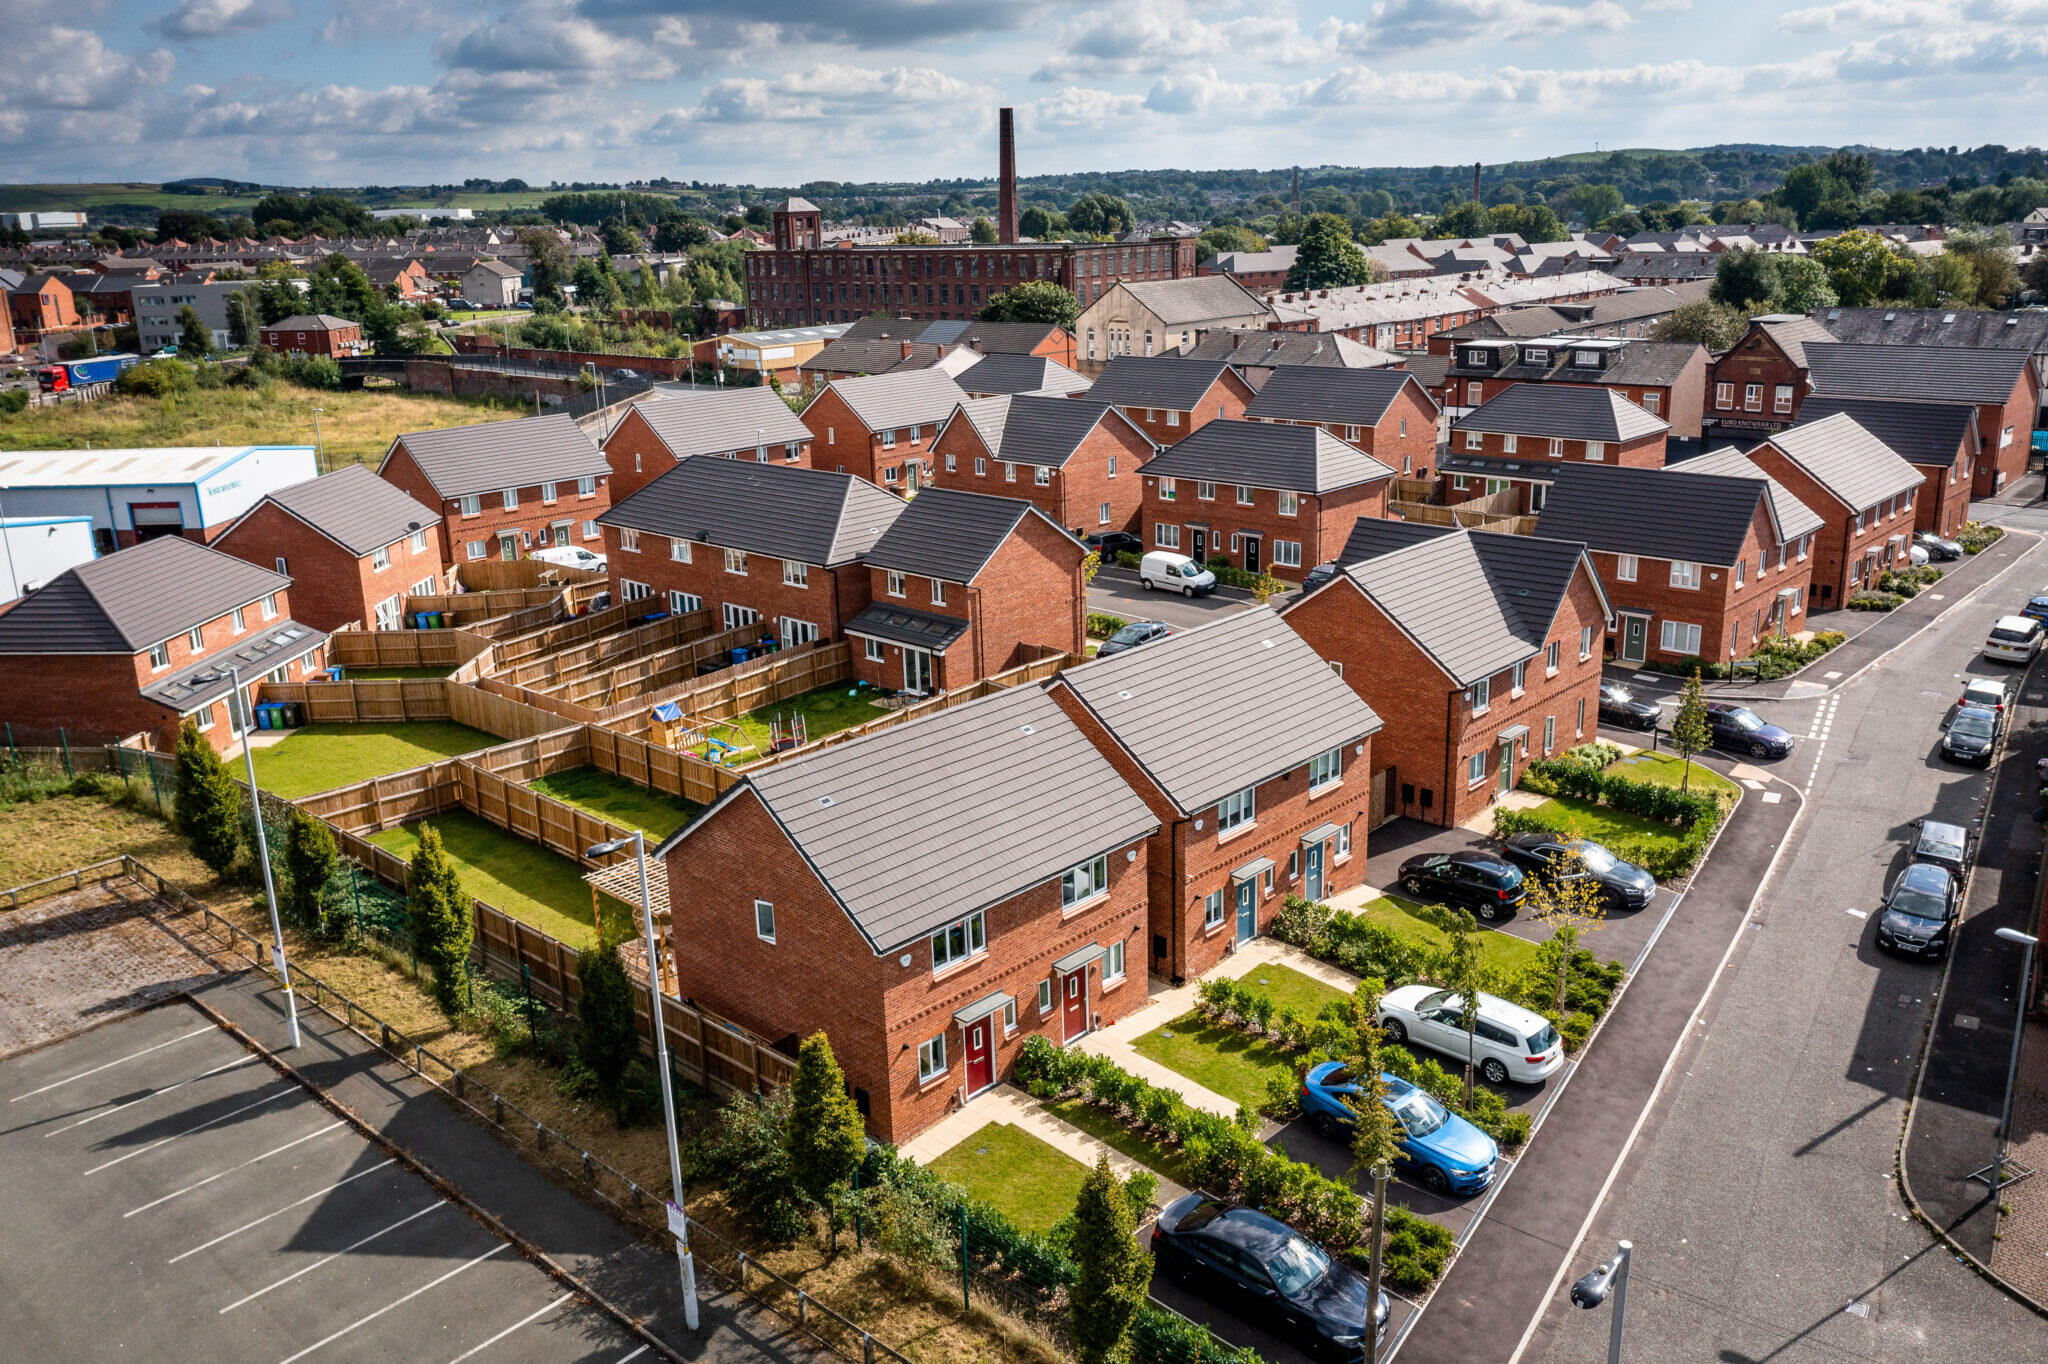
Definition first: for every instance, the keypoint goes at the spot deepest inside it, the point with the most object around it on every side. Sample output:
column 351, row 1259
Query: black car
column 1260, row 1269
column 1491, row 887
column 1317, row 576
column 1111, row 543
column 1938, row 548
column 1943, row 845
column 1971, row 736
column 1132, row 635
column 1918, row 916
column 1550, row 858
column 1618, row 706
column 1743, row 730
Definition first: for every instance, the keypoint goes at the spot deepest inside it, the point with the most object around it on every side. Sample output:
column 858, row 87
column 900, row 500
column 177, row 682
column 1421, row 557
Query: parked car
column 1918, row 916
column 1549, row 858
column 1257, row 1267
column 1111, row 543
column 1618, row 705
column 1445, row 1153
column 1916, row 555
column 1174, row 573
column 1317, row 576
column 1988, row 692
column 1491, row 887
column 570, row 556
column 1132, row 635
column 1743, row 730
column 2014, row 639
column 1971, row 736
column 1510, row 1043
column 1939, row 548
column 2036, row 607
column 1942, row 845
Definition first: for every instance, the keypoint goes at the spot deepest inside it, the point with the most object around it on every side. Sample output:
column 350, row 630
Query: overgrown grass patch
column 322, row 757
column 1032, row 1183
column 618, row 800
column 525, row 880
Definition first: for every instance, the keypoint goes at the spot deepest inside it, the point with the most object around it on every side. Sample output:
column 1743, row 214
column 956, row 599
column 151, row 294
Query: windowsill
column 955, row 967
column 939, row 1079
column 1081, row 906
column 1340, row 861
column 1549, row 673
column 1481, row 711
column 1117, row 984
column 1315, row 792
column 1211, row 930
column 1232, row 835
column 1517, row 693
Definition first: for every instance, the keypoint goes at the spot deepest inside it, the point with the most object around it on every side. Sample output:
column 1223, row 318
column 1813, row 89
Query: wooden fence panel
column 382, row 802
column 500, row 715
column 495, row 575
column 383, row 702
column 405, row 648
column 654, row 669
column 732, row 692
column 560, row 664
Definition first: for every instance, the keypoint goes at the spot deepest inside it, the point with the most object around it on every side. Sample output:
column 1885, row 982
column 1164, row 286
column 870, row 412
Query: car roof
column 1476, row 857
column 2016, row 623
column 1926, row 876
column 1983, row 684
column 1984, row 711
column 1249, row 1229
column 1933, row 830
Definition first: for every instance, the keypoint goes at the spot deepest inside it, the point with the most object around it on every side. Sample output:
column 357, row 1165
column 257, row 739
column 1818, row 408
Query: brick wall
column 1320, row 525
column 1730, row 618
column 841, row 441
column 1844, row 558
column 1943, row 502
column 330, row 585
column 827, row 598
column 2005, row 457
column 532, row 519
column 1225, row 400
column 1073, row 494
column 638, row 456
column 1755, row 359
column 429, row 375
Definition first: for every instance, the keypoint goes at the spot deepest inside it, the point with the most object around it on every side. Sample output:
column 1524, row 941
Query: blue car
column 1446, row 1153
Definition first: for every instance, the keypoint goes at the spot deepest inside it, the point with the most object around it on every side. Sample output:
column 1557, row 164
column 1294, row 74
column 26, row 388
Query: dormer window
column 1536, row 355
column 1586, row 359
column 1477, row 357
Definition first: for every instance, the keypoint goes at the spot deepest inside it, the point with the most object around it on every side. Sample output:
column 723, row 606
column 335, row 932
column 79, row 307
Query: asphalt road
column 1116, row 591
column 1760, row 1193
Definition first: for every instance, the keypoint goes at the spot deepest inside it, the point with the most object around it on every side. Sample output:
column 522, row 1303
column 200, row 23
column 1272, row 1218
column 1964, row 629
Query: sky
column 349, row 92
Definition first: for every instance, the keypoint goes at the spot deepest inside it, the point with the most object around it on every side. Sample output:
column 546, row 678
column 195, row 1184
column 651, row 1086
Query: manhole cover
column 1967, row 1022
column 1905, row 1001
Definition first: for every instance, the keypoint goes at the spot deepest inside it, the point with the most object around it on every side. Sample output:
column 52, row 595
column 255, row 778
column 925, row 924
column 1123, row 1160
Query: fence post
column 965, row 1301
column 65, row 740
column 858, row 1242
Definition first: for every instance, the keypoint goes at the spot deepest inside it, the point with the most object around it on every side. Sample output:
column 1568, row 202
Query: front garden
column 1227, row 1060
column 322, row 757
column 1594, row 794
column 1776, row 656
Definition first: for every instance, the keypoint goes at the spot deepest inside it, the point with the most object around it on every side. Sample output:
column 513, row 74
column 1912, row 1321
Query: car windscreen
column 1939, row 845
column 1296, row 1265
column 1420, row 1115
column 1976, row 726
column 1597, row 859
column 1745, row 719
column 1130, row 634
column 1919, row 904
column 1543, row 1041
column 2005, row 636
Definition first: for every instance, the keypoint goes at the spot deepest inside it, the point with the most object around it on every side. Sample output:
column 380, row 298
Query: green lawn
column 523, row 879
column 1663, row 769
column 1291, row 989
column 825, row 711
column 322, row 757
column 618, row 800
column 1504, row 950
column 397, row 674
column 1100, row 1125
column 1601, row 824
column 1031, row 1183
column 1216, row 1056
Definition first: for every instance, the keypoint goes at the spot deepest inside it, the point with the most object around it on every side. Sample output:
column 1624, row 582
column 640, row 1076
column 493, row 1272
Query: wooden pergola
column 621, row 881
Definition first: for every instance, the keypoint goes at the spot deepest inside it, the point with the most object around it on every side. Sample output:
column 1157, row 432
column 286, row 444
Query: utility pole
column 240, row 702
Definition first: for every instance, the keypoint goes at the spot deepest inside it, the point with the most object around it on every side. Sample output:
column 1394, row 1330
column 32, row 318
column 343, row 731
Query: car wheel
column 1396, row 1031
column 1435, row 1180
column 1188, row 592
column 1495, row 1070
column 1327, row 1127
column 1413, row 885
column 1145, row 583
column 1760, row 750
column 1487, row 910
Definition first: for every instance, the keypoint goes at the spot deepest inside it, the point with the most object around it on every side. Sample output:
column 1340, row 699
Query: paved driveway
column 1116, row 591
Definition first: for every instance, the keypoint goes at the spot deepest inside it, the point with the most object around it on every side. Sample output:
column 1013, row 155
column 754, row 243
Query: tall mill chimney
column 1006, row 186
column 1475, row 182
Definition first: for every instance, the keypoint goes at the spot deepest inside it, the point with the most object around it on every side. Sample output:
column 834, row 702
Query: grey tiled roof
column 714, row 421
column 945, row 533
column 1214, row 709
column 356, row 509
column 1568, row 411
column 1936, row 327
column 1475, row 602
column 460, row 460
column 1793, row 335
column 1917, row 432
column 853, row 355
column 1004, row 794
column 1033, row 428
column 273, row 645
column 1246, row 348
column 1169, row 382
column 309, row 322
column 1302, row 459
column 1794, row 517
column 1939, row 374
column 814, row 516
column 992, row 338
column 923, row 397
column 1318, row 393
column 1372, row 536
column 126, row 602
column 1020, row 374
column 906, row 625
column 1655, row 513
column 1847, row 460
column 1201, row 298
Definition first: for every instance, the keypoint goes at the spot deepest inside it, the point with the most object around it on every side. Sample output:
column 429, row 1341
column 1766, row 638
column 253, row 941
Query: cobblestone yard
column 72, row 960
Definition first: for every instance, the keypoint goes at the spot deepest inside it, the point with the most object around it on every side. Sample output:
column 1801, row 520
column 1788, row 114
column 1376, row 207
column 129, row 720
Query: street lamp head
column 1592, row 1290
column 601, row 849
column 2014, row 935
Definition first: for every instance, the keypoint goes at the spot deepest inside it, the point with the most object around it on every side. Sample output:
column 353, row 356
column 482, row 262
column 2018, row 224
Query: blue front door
column 1315, row 871
column 1247, row 909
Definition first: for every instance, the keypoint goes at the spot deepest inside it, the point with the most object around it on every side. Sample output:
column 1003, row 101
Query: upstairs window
column 1236, row 809
column 679, row 549
column 1084, row 882
column 1480, row 694
column 957, row 942
column 1683, row 574
column 1325, row 769
column 736, row 561
column 586, row 486
column 796, row 573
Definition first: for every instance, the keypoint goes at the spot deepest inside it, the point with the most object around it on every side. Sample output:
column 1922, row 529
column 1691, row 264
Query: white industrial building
column 44, row 221
column 35, row 549
column 133, row 495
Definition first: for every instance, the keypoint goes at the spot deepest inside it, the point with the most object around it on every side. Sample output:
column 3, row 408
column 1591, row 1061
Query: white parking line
column 322, row 1131
column 59, row 1084
column 523, row 1321
column 363, row 1321
column 153, row 1094
column 289, row 1089
column 327, row 1259
column 627, row 1359
column 317, row 1193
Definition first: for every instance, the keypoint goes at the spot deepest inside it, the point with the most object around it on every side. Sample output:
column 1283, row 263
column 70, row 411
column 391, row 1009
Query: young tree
column 1462, row 974
column 607, row 1038
column 1572, row 902
column 1038, row 300
column 1375, row 1132
column 310, row 862
column 982, row 231
column 1689, row 732
column 1327, row 257
column 244, row 308
column 208, row 802
column 443, row 919
column 1112, row 1270
column 826, row 1135
column 195, row 338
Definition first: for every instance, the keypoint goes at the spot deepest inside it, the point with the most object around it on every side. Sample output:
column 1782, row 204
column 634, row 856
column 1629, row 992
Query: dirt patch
column 81, row 958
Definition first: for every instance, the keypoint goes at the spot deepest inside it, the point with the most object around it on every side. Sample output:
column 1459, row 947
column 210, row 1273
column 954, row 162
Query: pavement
column 1116, row 592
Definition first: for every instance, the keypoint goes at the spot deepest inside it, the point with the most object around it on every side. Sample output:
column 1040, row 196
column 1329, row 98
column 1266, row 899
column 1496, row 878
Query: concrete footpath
column 1501, row 1278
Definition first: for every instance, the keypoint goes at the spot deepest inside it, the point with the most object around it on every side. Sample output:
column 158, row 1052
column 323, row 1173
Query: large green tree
column 1743, row 279
column 206, row 802
column 1389, row 226
column 1327, row 257
column 1038, row 300
column 1215, row 241
column 1713, row 325
column 1039, row 222
column 1112, row 1271
column 607, row 1038
column 983, row 231
column 548, row 261
column 195, row 338
column 1100, row 214
column 1591, row 204
column 443, row 918
column 826, row 1135
column 311, row 860
column 1463, row 219
column 182, row 224
column 1802, row 285
column 1993, row 267
column 1862, row 266
column 1532, row 222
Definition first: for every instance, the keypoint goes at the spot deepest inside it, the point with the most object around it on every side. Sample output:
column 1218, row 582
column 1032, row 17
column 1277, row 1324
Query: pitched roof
column 814, row 516
column 356, row 509
column 855, row 355
column 994, row 338
column 1005, row 794
column 1302, row 459
column 1246, row 348
column 1792, row 334
column 708, row 421
column 1474, row 601
column 907, row 398
column 496, row 267
column 1940, row 374
column 1570, row 411
column 460, row 460
column 1655, row 513
column 1036, row 428
column 1372, row 536
column 1020, row 374
column 1318, row 393
column 945, row 533
column 1847, row 460
column 1794, row 517
column 310, row 322
column 128, row 601
column 1265, row 705
column 1977, row 327
column 1161, row 381
column 1200, row 298
column 898, row 624
column 1917, row 432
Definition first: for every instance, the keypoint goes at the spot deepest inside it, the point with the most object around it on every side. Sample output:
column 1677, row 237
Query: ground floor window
column 388, row 612
column 632, row 591
column 1165, row 536
column 476, row 549
column 1287, row 553
column 1113, row 962
column 682, row 603
column 1676, row 637
column 1475, row 769
column 873, row 653
column 931, row 1059
column 1044, row 997
column 735, row 616
column 1212, row 909
column 795, row 632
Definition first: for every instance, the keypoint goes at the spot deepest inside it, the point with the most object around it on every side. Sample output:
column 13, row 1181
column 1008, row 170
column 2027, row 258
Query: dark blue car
column 1743, row 730
column 1446, row 1153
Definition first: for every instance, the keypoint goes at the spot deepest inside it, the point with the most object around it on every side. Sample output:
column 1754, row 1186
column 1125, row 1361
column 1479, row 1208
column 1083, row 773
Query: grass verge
column 1503, row 950
column 525, row 880
column 1216, row 1056
column 1664, row 769
column 1152, row 1154
column 1029, row 1181
column 1603, row 824
column 322, row 757
column 618, row 800
column 1291, row 989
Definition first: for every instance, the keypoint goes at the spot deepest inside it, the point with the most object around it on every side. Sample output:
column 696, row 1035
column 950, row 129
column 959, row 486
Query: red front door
column 1074, row 1017
column 981, row 1059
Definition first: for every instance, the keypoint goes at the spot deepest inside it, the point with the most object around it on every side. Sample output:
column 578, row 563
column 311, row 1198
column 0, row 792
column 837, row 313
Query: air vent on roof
column 1265, row 644
column 824, row 800
column 1889, row 316
column 1123, row 696
column 1028, row 729
column 1948, row 317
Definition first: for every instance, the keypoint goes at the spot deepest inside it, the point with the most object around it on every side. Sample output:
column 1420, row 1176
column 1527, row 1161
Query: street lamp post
column 284, row 971
column 678, row 1220
column 1592, row 1290
column 316, row 436
column 1996, row 1169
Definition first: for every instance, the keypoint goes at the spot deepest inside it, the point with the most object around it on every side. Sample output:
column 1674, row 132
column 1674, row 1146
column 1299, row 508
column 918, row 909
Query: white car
column 569, row 556
column 2014, row 639
column 1510, row 1043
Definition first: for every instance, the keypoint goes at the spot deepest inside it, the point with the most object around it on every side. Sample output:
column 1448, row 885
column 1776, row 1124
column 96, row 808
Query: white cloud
column 1138, row 37
column 196, row 19
column 1400, row 25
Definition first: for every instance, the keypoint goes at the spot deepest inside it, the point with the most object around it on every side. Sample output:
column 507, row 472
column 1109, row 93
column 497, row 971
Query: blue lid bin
column 740, row 655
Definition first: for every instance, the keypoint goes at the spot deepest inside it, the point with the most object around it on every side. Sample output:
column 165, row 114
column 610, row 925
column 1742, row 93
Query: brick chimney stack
column 1006, row 185
column 1475, row 182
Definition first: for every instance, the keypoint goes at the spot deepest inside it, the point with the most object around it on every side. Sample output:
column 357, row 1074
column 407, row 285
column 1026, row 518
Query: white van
column 2014, row 639
column 1164, row 569
column 570, row 556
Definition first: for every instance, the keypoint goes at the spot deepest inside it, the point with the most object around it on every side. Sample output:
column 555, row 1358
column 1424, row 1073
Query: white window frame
column 1475, row 440
column 629, row 590
column 1519, row 676
column 972, row 936
column 796, row 573
column 678, row 549
column 419, row 541
column 239, row 619
column 1238, row 810
column 1677, row 637
column 889, row 440
column 1685, row 574
column 476, row 549
column 1167, row 491
column 873, row 652
column 1041, row 475
column 629, row 540
column 1475, row 770
column 764, row 923
column 510, row 496
column 682, row 603
column 547, row 495
column 1290, row 504
column 586, row 486
column 1596, row 450
column 1245, row 496
column 1102, row 515
column 380, row 558
column 1507, row 445
column 1480, row 695
column 159, row 656
column 931, row 1060
column 1553, row 654
column 1326, row 770
column 938, row 591
column 980, row 466
column 1166, row 536
column 1556, row 450
column 796, row 633
column 1724, row 395
column 736, row 562
column 1083, row 884
column 1585, row 642
column 1205, row 490
column 1009, row 471
column 470, row 504
column 1549, row 732
column 1212, row 909
column 195, row 639
column 592, row 531
column 1625, row 568
column 1287, row 553
column 270, row 606
column 894, row 582
column 1113, row 963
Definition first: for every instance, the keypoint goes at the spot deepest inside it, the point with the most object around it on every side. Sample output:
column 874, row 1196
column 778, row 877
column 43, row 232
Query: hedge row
column 1776, row 657
column 1665, row 857
column 1565, row 776
column 1101, row 625
column 1976, row 537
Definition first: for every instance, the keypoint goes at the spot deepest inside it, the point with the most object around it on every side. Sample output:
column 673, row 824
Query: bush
column 747, row 1151
column 158, row 378
column 1875, row 601
column 13, row 400
column 1102, row 625
column 1575, row 1029
column 1598, row 754
column 1126, row 559
column 1415, row 1251
column 318, row 371
column 1976, row 537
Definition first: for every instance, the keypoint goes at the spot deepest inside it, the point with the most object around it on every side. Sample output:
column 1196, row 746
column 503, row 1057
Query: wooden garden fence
column 381, row 702
column 405, row 648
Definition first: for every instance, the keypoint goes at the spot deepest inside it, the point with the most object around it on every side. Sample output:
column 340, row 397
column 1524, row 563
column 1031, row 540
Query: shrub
column 1102, row 625
column 1415, row 1251
column 158, row 378
column 747, row 1151
column 13, row 400
column 1597, row 754
column 1875, row 601
column 1976, row 537
column 311, row 861
column 1575, row 1029
column 1126, row 559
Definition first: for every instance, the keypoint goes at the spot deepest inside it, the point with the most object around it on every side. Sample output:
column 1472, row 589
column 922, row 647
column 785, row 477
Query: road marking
column 325, row 1259
column 1859, row 914
column 627, row 1359
column 364, row 1321
column 318, row 1193
column 322, row 1131
column 59, row 1084
column 289, row 1088
column 523, row 1321
column 1773, row 797
column 156, row 1093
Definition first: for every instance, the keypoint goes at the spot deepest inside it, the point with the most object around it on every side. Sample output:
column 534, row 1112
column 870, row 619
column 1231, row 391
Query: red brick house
column 1756, row 384
column 851, row 357
column 1250, row 752
column 963, row 586
column 882, row 427
column 929, row 896
column 662, row 430
column 1697, row 566
column 135, row 642
column 1480, row 651
column 1046, row 340
column 42, row 303
column 1278, row 499
column 995, row 375
column 1075, row 460
column 1667, row 379
column 313, row 334
column 770, row 543
column 1508, row 441
column 1859, row 488
column 353, row 545
column 1387, row 413
column 1169, row 397
column 504, row 488
column 1938, row 439
column 2002, row 383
